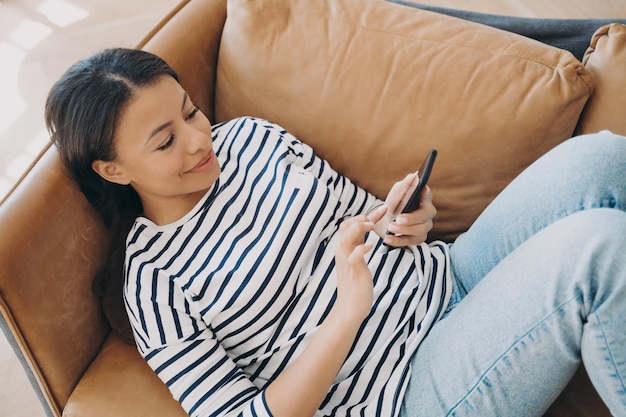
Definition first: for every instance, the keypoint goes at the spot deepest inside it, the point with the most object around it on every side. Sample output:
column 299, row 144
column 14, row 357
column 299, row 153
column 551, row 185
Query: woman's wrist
column 301, row 388
column 345, row 319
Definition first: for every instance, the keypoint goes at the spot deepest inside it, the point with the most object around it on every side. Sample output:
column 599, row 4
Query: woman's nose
column 196, row 140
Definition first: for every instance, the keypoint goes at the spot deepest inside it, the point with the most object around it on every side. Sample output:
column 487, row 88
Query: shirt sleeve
column 187, row 357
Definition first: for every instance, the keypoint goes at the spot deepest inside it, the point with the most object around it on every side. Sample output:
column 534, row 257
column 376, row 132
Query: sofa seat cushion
column 120, row 383
column 373, row 85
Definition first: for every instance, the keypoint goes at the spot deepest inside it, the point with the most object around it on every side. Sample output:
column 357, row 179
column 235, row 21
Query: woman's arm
column 302, row 387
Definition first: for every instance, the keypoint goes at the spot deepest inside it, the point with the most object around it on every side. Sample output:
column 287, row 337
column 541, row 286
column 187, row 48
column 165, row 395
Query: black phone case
column 424, row 175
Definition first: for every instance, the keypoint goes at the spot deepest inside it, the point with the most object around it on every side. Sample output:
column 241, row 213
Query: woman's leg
column 584, row 172
column 512, row 344
column 518, row 302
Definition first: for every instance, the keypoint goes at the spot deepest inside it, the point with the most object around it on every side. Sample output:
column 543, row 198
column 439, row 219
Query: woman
column 256, row 286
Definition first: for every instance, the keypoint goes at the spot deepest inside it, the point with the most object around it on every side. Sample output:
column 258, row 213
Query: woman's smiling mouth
column 204, row 164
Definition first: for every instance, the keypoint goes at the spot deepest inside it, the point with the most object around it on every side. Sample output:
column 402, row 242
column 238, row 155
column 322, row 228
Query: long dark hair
column 82, row 112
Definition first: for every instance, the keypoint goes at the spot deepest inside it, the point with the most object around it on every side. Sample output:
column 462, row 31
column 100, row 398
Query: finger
column 358, row 254
column 404, row 240
column 348, row 222
column 352, row 231
column 426, row 196
column 377, row 213
column 398, row 193
column 415, row 229
column 419, row 218
column 360, row 220
column 425, row 213
column 412, row 224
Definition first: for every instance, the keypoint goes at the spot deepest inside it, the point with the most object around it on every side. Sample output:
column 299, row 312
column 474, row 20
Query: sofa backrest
column 373, row 85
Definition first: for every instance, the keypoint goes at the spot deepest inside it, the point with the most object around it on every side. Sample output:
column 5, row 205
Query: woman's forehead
column 150, row 107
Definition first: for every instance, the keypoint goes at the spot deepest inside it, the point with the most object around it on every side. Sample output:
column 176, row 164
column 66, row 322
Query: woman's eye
column 167, row 144
column 193, row 113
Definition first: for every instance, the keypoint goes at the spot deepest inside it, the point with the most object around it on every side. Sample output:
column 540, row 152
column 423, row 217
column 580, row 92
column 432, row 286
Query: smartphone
column 423, row 174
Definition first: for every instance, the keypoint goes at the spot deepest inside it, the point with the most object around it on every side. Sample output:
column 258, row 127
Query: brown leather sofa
column 371, row 85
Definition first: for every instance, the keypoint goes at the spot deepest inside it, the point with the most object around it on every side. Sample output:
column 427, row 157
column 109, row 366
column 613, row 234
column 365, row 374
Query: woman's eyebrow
column 156, row 130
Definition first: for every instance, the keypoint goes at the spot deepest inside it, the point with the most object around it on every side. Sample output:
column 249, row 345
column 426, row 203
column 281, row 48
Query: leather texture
column 380, row 84
column 606, row 62
column 120, row 383
column 53, row 245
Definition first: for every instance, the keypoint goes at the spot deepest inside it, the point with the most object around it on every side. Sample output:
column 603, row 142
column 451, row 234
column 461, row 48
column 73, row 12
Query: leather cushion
column 120, row 383
column 373, row 85
column 606, row 61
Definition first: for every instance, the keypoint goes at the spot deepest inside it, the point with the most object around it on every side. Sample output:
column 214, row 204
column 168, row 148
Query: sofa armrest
column 605, row 60
column 52, row 245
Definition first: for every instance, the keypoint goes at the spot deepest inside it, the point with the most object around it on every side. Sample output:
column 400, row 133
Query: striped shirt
column 222, row 300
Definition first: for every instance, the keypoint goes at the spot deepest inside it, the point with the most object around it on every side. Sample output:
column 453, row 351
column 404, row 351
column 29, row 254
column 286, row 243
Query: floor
column 39, row 39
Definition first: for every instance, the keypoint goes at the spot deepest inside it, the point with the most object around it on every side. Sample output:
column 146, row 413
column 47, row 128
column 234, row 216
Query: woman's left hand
column 411, row 228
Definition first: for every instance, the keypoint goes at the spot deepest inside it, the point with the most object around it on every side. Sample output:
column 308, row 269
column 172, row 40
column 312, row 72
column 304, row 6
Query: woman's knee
column 591, row 166
column 596, row 240
column 600, row 226
column 602, row 151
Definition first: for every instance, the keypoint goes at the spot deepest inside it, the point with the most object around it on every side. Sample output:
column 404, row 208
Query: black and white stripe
column 224, row 299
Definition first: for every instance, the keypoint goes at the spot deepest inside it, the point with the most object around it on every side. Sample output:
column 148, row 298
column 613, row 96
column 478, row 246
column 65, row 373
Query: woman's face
column 164, row 151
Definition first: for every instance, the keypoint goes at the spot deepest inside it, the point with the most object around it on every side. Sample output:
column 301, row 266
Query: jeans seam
column 559, row 308
column 612, row 357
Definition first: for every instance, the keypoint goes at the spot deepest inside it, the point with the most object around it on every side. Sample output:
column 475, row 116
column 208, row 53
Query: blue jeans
column 540, row 285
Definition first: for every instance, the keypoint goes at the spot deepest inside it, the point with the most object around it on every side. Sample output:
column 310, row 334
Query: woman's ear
column 111, row 171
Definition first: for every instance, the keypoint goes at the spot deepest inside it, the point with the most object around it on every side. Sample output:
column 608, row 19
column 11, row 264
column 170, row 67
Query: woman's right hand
column 302, row 386
column 354, row 279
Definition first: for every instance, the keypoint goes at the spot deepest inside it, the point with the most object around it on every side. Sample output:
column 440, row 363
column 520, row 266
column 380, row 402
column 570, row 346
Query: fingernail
column 401, row 220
